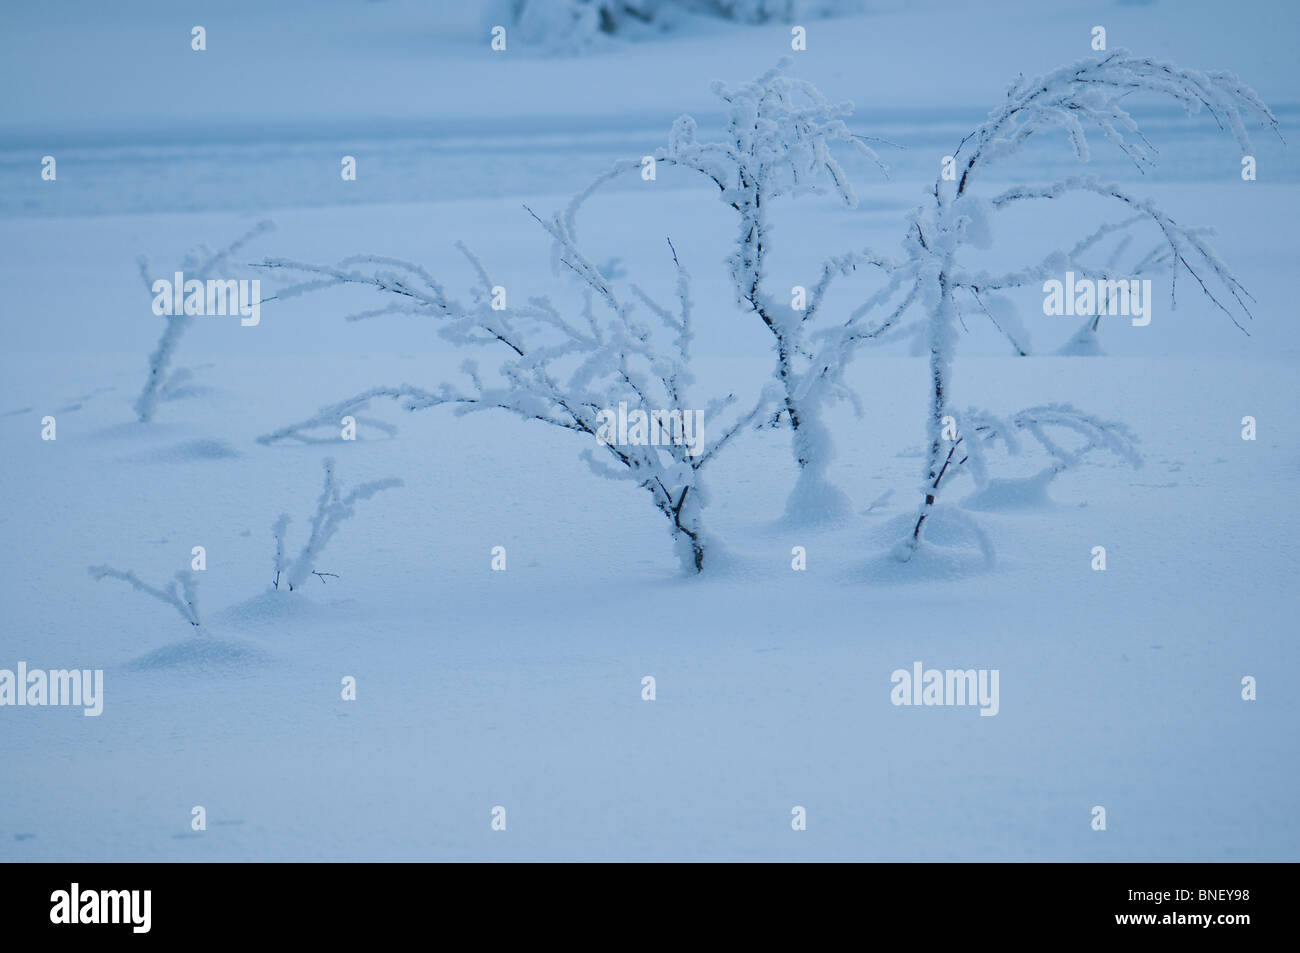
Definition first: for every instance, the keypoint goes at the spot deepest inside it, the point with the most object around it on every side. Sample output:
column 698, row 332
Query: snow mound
column 196, row 451
column 953, row 547
column 1028, row 493
column 273, row 608
column 200, row 653
column 816, row 503
column 1084, row 343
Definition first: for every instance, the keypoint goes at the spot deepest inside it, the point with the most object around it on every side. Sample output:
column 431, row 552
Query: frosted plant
column 1068, row 435
column 580, row 26
column 569, row 27
column 765, row 11
column 568, row 373
column 778, row 141
column 182, row 593
column 1089, row 93
column 1084, row 342
column 332, row 508
column 201, row 263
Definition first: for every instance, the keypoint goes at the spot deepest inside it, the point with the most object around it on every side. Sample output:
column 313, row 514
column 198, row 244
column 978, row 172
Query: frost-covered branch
column 181, row 593
column 1096, row 434
column 1092, row 93
column 1184, row 245
column 201, row 264
column 328, row 418
column 413, row 291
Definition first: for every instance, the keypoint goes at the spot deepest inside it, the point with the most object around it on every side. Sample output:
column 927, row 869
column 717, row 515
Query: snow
column 522, row 687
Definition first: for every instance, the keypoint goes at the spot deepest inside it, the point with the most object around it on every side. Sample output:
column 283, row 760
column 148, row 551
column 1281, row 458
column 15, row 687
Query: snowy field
column 523, row 688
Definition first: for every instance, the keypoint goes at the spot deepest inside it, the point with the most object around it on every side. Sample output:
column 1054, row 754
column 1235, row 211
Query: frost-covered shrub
column 1067, row 435
column 779, row 141
column 566, row 370
column 785, row 11
column 332, row 508
column 1089, row 93
column 580, row 26
column 201, row 263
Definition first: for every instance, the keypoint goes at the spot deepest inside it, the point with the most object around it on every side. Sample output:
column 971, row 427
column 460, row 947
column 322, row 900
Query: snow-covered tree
column 779, row 141
column 200, row 263
column 332, row 508
column 1088, row 93
column 570, row 372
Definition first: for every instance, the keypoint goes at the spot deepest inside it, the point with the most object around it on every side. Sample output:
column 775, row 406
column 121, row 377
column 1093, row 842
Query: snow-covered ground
column 523, row 688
